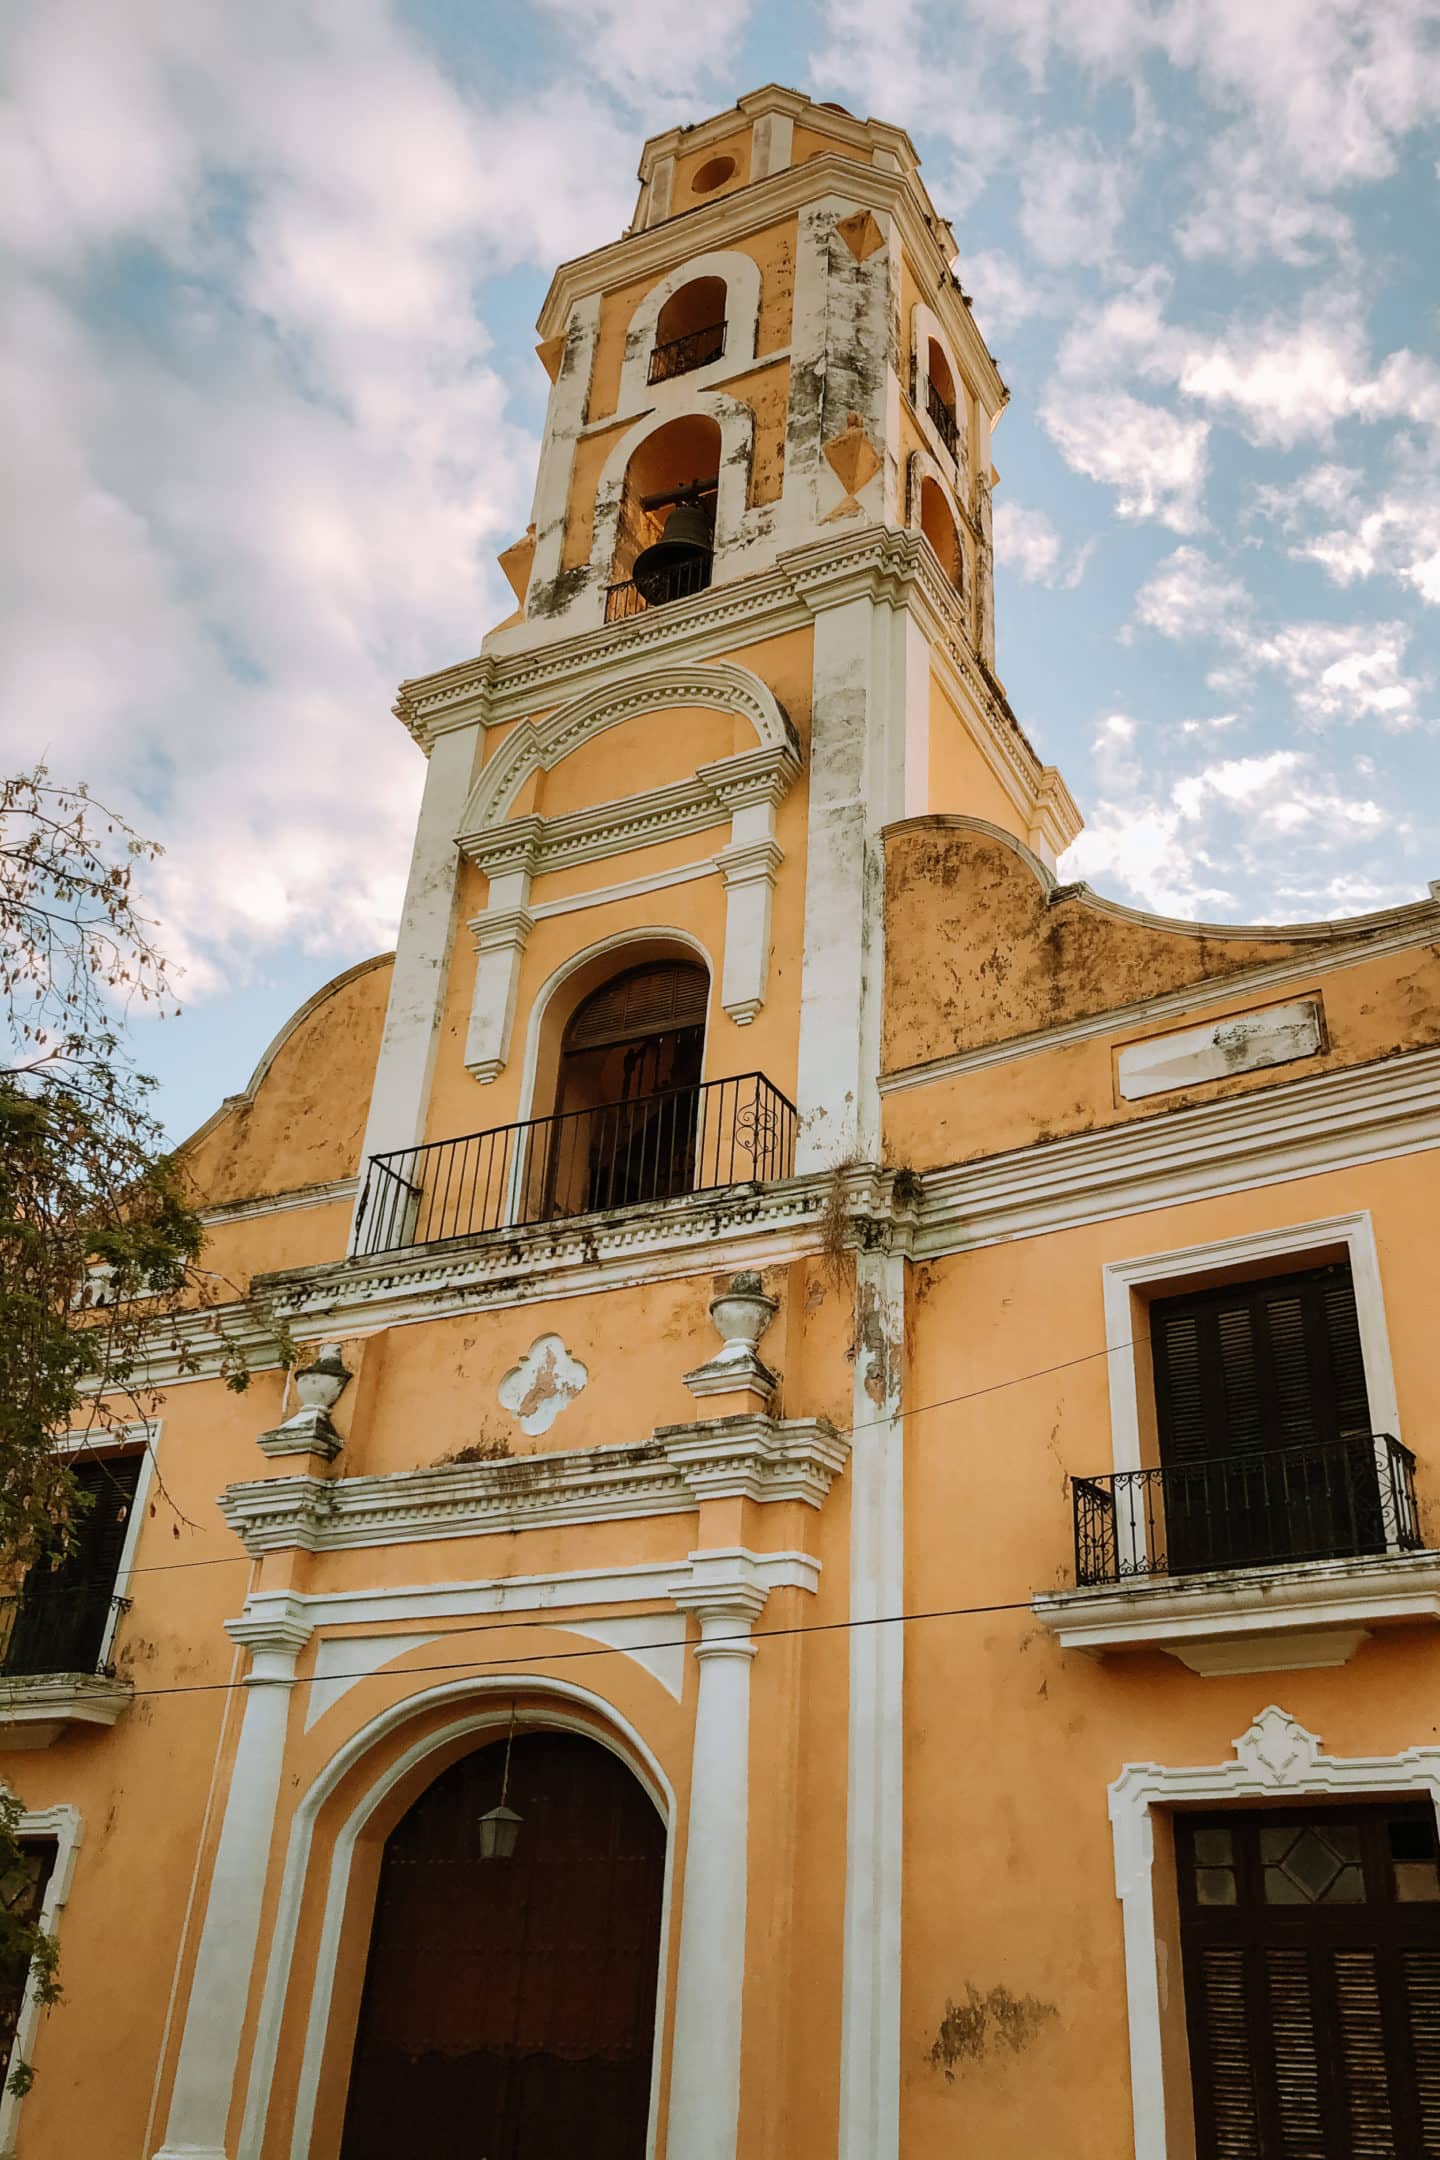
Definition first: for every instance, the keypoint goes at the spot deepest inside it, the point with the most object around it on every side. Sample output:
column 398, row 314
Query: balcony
column 943, row 415
column 1249, row 1563
column 581, row 1162
column 55, row 1668
column 678, row 581
column 679, row 355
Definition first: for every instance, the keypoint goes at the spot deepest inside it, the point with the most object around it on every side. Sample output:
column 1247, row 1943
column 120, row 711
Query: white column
column 401, row 1091
column 275, row 1633
column 870, row 1999
column 705, row 2056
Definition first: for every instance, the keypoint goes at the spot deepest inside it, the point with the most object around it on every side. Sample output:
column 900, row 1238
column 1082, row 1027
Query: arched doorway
column 627, row 1095
column 509, row 2005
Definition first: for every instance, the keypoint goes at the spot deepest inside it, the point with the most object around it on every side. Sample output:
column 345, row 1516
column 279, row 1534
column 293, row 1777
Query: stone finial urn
column 740, row 1316
column 309, row 1431
column 320, row 1386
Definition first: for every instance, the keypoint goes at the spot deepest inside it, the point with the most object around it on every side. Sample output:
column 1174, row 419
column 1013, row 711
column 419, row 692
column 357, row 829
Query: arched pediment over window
column 742, row 789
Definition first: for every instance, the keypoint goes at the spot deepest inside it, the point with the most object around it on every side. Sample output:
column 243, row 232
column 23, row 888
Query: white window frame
column 1276, row 1757
column 1288, row 1241
column 64, row 1824
column 142, row 1437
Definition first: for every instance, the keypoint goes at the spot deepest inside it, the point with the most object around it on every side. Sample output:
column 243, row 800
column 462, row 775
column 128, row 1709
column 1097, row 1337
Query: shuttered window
column 1259, row 1365
column 64, row 1609
column 1264, row 1423
column 1311, row 1951
column 642, row 1001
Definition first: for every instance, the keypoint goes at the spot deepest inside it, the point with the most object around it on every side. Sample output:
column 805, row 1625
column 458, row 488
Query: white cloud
column 1337, row 671
column 1188, row 846
column 655, row 58
column 1155, row 461
column 234, row 529
column 1006, row 296
column 1189, row 595
column 1072, row 201
column 1395, row 532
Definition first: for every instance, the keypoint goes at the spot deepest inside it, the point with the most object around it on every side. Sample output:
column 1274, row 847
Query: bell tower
column 754, row 624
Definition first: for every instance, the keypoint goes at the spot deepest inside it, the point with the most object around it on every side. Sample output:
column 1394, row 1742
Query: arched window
column 690, row 329
column 940, row 398
column 509, row 2004
column 938, row 527
column 673, row 475
column 627, row 1095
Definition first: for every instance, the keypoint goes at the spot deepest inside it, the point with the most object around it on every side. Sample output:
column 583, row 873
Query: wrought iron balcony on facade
column 678, row 581
column 64, row 1629
column 947, row 427
column 1334, row 1500
column 679, row 356
column 580, row 1162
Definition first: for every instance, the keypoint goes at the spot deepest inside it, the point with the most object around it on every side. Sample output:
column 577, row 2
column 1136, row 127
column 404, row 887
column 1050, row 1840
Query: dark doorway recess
column 509, row 2005
column 629, row 1092
column 1312, row 1982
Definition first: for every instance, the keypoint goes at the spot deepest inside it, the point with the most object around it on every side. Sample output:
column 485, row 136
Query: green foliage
column 27, row 1953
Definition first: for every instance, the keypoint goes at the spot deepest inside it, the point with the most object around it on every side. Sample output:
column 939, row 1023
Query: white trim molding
column 65, row 1825
column 1251, row 1249
column 744, row 1457
column 740, row 275
column 1293, row 1129
column 1251, row 1619
column 1288, row 1618
column 1276, row 1759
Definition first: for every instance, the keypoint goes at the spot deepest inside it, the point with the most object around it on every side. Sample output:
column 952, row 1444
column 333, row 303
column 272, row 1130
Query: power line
column 842, row 1432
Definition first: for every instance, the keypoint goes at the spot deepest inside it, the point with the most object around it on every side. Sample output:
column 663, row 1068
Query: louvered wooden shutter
column 1256, row 1366
column 1314, row 2028
column 643, row 1001
column 64, row 1609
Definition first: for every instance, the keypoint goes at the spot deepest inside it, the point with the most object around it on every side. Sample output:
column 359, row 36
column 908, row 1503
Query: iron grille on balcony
column 677, row 582
column 677, row 356
column 1331, row 1500
column 943, row 415
column 52, row 1629
column 622, row 1154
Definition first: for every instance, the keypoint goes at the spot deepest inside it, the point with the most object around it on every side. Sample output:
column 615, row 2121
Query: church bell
column 679, row 561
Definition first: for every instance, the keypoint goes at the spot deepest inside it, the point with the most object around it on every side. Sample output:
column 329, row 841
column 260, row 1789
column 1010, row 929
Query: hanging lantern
column 500, row 1826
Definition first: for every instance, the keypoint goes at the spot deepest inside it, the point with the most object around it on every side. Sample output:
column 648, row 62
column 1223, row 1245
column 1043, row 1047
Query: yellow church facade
column 848, row 1567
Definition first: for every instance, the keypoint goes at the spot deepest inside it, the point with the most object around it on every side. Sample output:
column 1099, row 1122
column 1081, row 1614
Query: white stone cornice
column 759, row 1458
column 1300, row 1128
column 538, row 846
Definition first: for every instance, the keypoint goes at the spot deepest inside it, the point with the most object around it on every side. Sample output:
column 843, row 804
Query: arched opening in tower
column 938, row 526
column 664, row 548
column 690, row 329
column 940, row 397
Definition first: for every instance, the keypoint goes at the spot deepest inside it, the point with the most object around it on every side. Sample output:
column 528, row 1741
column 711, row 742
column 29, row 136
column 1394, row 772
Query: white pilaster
column 422, row 953
column 564, row 418
column 857, row 785
column 275, row 1630
column 726, row 1591
column 500, row 936
column 748, row 867
column 870, row 2003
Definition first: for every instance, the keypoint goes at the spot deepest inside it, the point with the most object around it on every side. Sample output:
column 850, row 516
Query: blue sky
column 273, row 272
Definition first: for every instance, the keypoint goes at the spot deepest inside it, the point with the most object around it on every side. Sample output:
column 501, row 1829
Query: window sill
column 37, row 1708
column 1282, row 1618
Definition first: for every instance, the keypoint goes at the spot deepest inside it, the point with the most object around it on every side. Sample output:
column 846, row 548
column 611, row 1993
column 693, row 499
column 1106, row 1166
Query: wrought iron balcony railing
column 1326, row 1501
column 943, row 415
column 624, row 1154
column 678, row 582
column 677, row 356
column 56, row 1629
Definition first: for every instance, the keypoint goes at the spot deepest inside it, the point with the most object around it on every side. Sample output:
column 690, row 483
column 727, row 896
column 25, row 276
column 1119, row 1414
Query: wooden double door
column 1311, row 1952
column 509, row 2004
